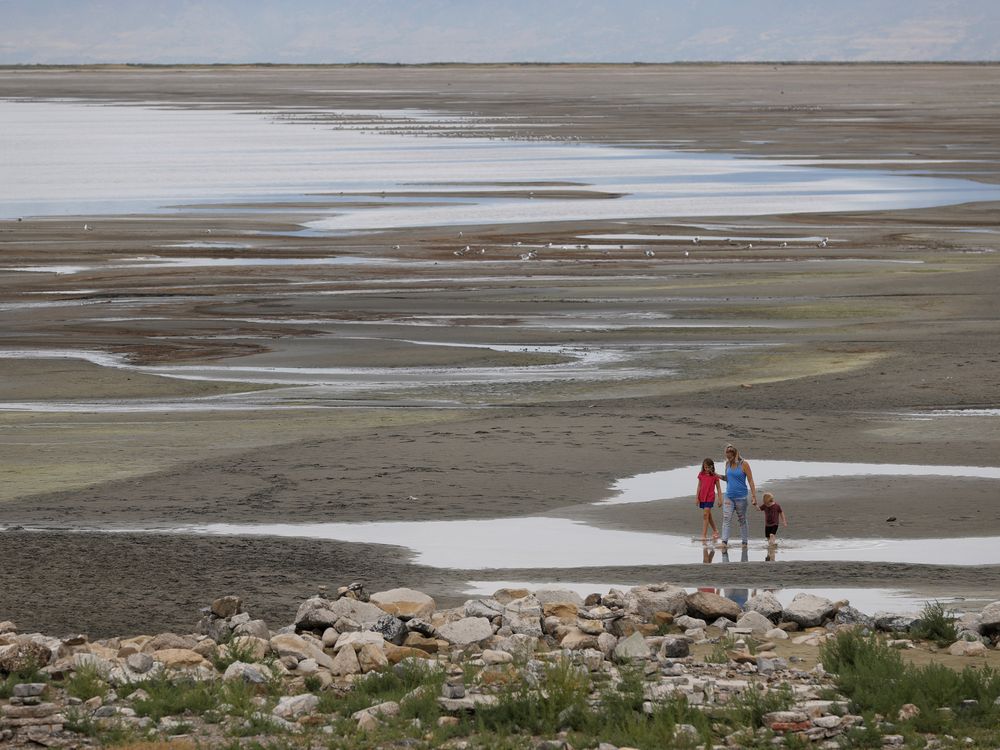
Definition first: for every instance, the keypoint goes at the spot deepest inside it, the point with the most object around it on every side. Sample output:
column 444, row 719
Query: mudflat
column 492, row 387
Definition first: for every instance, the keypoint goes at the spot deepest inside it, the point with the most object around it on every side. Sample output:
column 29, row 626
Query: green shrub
column 86, row 683
column 752, row 704
column 936, row 623
column 173, row 698
column 558, row 701
column 720, row 651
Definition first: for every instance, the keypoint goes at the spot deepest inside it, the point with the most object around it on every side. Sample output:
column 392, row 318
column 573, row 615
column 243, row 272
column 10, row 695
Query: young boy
column 772, row 514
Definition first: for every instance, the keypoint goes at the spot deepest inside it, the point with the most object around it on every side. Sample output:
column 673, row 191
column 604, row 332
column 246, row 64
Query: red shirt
column 706, row 487
column 771, row 513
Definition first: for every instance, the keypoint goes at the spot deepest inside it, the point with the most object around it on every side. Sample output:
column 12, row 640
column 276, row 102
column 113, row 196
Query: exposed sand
column 849, row 346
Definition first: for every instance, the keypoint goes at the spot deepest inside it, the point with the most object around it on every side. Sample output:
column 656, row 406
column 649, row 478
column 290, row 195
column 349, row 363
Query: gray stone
column 253, row 674
column 467, row 630
column 675, row 648
column 631, row 648
column 645, row 601
column 293, row 706
column 989, row 619
column 893, row 622
column 139, row 663
column 684, row 622
column 809, row 611
column 255, row 628
column 346, row 662
column 558, row 596
column 489, row 608
column 391, row 628
column 424, row 628
column 709, row 606
column 850, row 616
column 524, row 616
column 755, row 621
column 318, row 613
column 724, row 623
column 765, row 603
column 29, row 689
column 404, row 603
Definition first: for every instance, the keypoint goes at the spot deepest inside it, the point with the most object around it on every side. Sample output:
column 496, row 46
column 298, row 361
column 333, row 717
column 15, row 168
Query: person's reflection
column 744, row 555
column 772, row 553
column 707, row 554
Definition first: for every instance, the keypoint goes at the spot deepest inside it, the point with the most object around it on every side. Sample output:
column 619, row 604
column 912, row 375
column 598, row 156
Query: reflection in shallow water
column 540, row 542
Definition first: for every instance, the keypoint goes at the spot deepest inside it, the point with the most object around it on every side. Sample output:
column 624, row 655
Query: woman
column 737, row 478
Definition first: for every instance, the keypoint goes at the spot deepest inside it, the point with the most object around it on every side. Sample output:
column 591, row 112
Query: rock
column 809, row 611
column 776, row 634
column 396, row 654
column 227, row 606
column 506, row 596
column 765, row 603
column 908, row 711
column 606, row 644
column 645, row 601
column 346, row 625
column 724, row 623
column 386, row 708
column 685, row 622
column 253, row 628
column 675, row 648
column 371, row 657
column 139, row 663
column 253, row 674
column 318, row 613
column 756, row 622
column 424, row 628
column 850, row 616
column 391, row 628
column 632, row 648
column 521, row 647
column 967, row 648
column 8, row 627
column 892, row 622
column 367, row 722
column 523, row 616
column 357, row 640
column 169, row 641
column 576, row 640
column 330, row 636
column 307, row 667
column 180, row 658
column 256, row 648
column 489, row 608
column 590, row 627
column 467, row 630
column 558, row 596
column 989, row 619
column 293, row 706
column 562, row 611
column 491, row 657
column 28, row 689
column 404, row 603
column 711, row 606
column 345, row 663
column 295, row 646
column 422, row 643
column 787, row 721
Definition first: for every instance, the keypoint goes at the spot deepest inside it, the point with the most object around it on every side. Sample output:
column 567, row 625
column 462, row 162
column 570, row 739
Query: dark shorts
column 709, row 504
column 768, row 530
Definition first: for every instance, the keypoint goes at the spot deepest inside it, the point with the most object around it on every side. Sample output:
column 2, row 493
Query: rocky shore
column 749, row 674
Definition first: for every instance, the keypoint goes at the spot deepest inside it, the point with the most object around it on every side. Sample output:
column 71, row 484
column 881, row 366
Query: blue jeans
column 738, row 504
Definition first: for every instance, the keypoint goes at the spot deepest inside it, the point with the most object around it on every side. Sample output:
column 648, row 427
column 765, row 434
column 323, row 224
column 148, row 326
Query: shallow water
column 545, row 542
column 85, row 159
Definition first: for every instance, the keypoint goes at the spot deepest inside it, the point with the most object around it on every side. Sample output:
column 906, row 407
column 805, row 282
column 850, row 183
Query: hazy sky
column 414, row 31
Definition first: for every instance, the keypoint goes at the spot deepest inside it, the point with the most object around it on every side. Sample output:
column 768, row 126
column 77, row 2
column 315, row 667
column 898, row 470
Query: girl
column 708, row 489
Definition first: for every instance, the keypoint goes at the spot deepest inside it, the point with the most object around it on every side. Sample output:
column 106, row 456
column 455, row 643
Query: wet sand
column 852, row 343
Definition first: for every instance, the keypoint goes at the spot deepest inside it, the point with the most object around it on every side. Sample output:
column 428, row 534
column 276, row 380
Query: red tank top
column 706, row 487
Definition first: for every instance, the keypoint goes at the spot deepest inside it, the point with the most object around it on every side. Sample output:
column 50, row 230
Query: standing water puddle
column 544, row 542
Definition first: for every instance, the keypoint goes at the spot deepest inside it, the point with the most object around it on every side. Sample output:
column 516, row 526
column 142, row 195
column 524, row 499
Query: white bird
column 686, row 253
column 650, row 253
column 695, row 241
column 86, row 227
column 821, row 243
column 749, row 246
column 784, row 244
column 395, row 247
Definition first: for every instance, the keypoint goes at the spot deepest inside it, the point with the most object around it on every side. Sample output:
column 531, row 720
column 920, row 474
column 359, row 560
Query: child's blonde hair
column 768, row 496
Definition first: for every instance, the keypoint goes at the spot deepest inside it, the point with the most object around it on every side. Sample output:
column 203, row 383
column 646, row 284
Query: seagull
column 686, row 253
column 822, row 243
column 395, row 247
column 784, row 244
column 695, row 241
column 749, row 246
column 86, row 227
column 650, row 253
